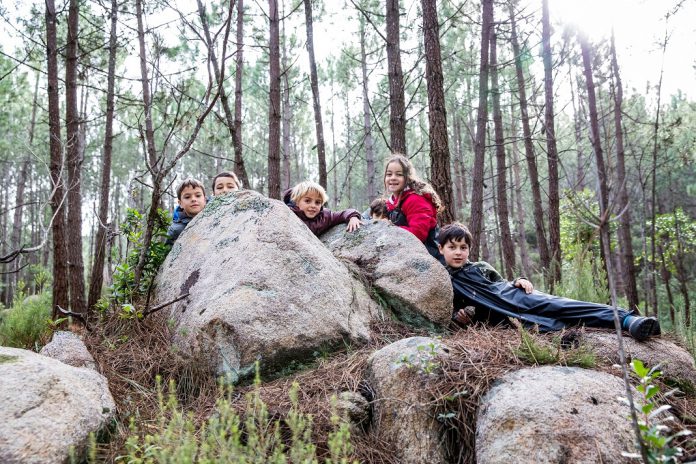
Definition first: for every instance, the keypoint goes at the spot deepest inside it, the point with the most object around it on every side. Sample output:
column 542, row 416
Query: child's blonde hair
column 306, row 187
column 412, row 179
column 190, row 182
column 227, row 174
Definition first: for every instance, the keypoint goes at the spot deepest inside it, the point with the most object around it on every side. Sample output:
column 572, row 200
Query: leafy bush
column 226, row 437
column 27, row 324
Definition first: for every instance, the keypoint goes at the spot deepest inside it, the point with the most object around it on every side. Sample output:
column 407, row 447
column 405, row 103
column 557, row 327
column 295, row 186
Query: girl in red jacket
column 413, row 204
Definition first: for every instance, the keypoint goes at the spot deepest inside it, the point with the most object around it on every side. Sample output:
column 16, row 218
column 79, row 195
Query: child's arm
column 350, row 216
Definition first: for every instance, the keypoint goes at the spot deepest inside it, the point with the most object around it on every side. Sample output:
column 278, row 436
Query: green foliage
column 123, row 290
column 228, row 437
column 583, row 277
column 652, row 419
column 27, row 324
column 532, row 351
column 424, row 361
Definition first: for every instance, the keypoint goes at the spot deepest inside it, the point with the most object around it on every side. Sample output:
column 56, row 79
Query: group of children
column 480, row 292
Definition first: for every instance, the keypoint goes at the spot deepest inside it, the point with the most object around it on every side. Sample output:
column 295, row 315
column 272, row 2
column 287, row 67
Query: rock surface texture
column 399, row 267
column 69, row 348
column 554, row 414
column 261, row 287
column 403, row 414
column 47, row 407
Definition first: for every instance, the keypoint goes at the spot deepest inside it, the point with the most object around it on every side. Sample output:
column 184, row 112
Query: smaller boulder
column 68, row 347
column 398, row 266
column 404, row 415
column 354, row 408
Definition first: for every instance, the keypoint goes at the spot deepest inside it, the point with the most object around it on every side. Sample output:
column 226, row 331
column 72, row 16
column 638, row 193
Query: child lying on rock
column 487, row 297
column 307, row 199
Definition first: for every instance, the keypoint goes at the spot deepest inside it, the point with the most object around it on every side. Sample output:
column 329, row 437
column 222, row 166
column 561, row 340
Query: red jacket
column 323, row 221
column 419, row 210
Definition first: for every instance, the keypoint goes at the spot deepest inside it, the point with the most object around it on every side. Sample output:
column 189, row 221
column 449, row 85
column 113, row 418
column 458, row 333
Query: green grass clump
column 27, row 324
column 533, row 351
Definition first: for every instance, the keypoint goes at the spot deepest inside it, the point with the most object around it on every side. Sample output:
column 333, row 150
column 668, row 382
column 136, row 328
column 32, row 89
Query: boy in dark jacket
column 191, row 197
column 307, row 199
column 486, row 296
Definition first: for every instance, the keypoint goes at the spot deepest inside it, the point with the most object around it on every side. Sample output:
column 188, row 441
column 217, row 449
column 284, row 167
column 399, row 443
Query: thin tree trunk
column 60, row 252
column 579, row 183
column 397, row 101
column 441, row 177
column 596, row 145
column 97, row 278
column 239, row 167
column 507, row 245
column 274, row 103
column 625, row 239
column 666, row 278
column 533, row 173
column 552, row 152
column 682, row 275
column 286, row 121
column 458, row 174
column 476, row 221
column 521, row 217
column 314, row 83
column 367, row 118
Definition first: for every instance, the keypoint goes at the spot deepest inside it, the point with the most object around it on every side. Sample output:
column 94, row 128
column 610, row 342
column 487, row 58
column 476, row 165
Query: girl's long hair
column 412, row 180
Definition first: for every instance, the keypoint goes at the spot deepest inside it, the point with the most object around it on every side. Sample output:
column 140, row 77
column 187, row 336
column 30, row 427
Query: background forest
column 520, row 120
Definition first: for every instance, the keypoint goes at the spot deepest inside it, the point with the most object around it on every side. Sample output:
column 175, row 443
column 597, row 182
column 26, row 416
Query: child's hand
column 353, row 224
column 463, row 316
column 525, row 285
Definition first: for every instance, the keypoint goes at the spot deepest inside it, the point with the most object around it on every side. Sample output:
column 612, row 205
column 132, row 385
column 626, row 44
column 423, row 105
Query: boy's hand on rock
column 525, row 285
column 353, row 224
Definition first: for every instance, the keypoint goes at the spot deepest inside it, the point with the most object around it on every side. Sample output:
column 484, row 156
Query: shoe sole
column 646, row 328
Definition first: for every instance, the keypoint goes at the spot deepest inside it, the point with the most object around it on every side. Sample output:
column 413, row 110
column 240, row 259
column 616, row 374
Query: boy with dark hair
column 378, row 209
column 225, row 181
column 485, row 296
column 307, row 199
column 191, row 197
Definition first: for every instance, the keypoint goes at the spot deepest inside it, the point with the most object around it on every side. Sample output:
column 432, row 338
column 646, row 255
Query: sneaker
column 641, row 328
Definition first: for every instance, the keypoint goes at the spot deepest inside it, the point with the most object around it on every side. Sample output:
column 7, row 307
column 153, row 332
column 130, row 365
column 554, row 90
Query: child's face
column 224, row 185
column 192, row 200
column 310, row 204
column 394, row 179
column 456, row 253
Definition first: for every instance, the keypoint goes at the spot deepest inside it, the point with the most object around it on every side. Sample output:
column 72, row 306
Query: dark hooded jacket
column 179, row 223
column 323, row 221
column 495, row 300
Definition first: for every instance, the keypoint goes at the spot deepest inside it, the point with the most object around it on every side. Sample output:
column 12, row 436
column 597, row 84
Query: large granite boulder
column 676, row 363
column 397, row 265
column 261, row 287
column 47, row 407
column 404, row 415
column 554, row 414
column 69, row 348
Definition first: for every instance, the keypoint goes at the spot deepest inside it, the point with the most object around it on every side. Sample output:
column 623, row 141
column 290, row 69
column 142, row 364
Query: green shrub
column 533, row 351
column 227, row 437
column 27, row 324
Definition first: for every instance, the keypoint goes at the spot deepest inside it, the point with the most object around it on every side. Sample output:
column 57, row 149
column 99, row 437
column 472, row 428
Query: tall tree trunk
column 521, row 217
column 551, row 152
column 397, row 101
column 507, row 245
column 533, row 172
column 441, row 177
column 682, row 274
column 147, row 101
column 367, row 118
column 60, row 252
column 595, row 137
column 476, row 221
column 286, row 180
column 239, row 167
column 274, row 103
column 625, row 239
column 666, row 278
column 97, row 277
column 458, row 169
column 314, row 83
column 579, row 183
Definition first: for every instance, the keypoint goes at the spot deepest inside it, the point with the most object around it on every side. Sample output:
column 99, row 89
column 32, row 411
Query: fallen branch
column 16, row 270
column 78, row 316
column 164, row 305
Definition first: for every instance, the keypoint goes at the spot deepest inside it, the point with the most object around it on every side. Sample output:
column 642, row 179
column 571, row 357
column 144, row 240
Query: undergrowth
column 27, row 323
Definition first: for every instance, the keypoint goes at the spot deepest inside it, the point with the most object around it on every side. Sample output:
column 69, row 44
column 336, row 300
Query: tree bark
column 532, row 171
column 625, row 238
column 274, row 103
column 397, row 102
column 239, row 167
column 458, row 168
column 60, row 252
column 286, row 122
column 440, row 175
column 476, row 221
column 314, row 83
column 367, row 118
column 97, row 277
column 507, row 245
column 551, row 152
column 519, row 210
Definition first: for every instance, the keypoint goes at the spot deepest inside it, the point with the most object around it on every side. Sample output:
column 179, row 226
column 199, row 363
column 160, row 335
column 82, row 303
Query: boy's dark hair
column 227, row 174
column 190, row 182
column 379, row 207
column 454, row 232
